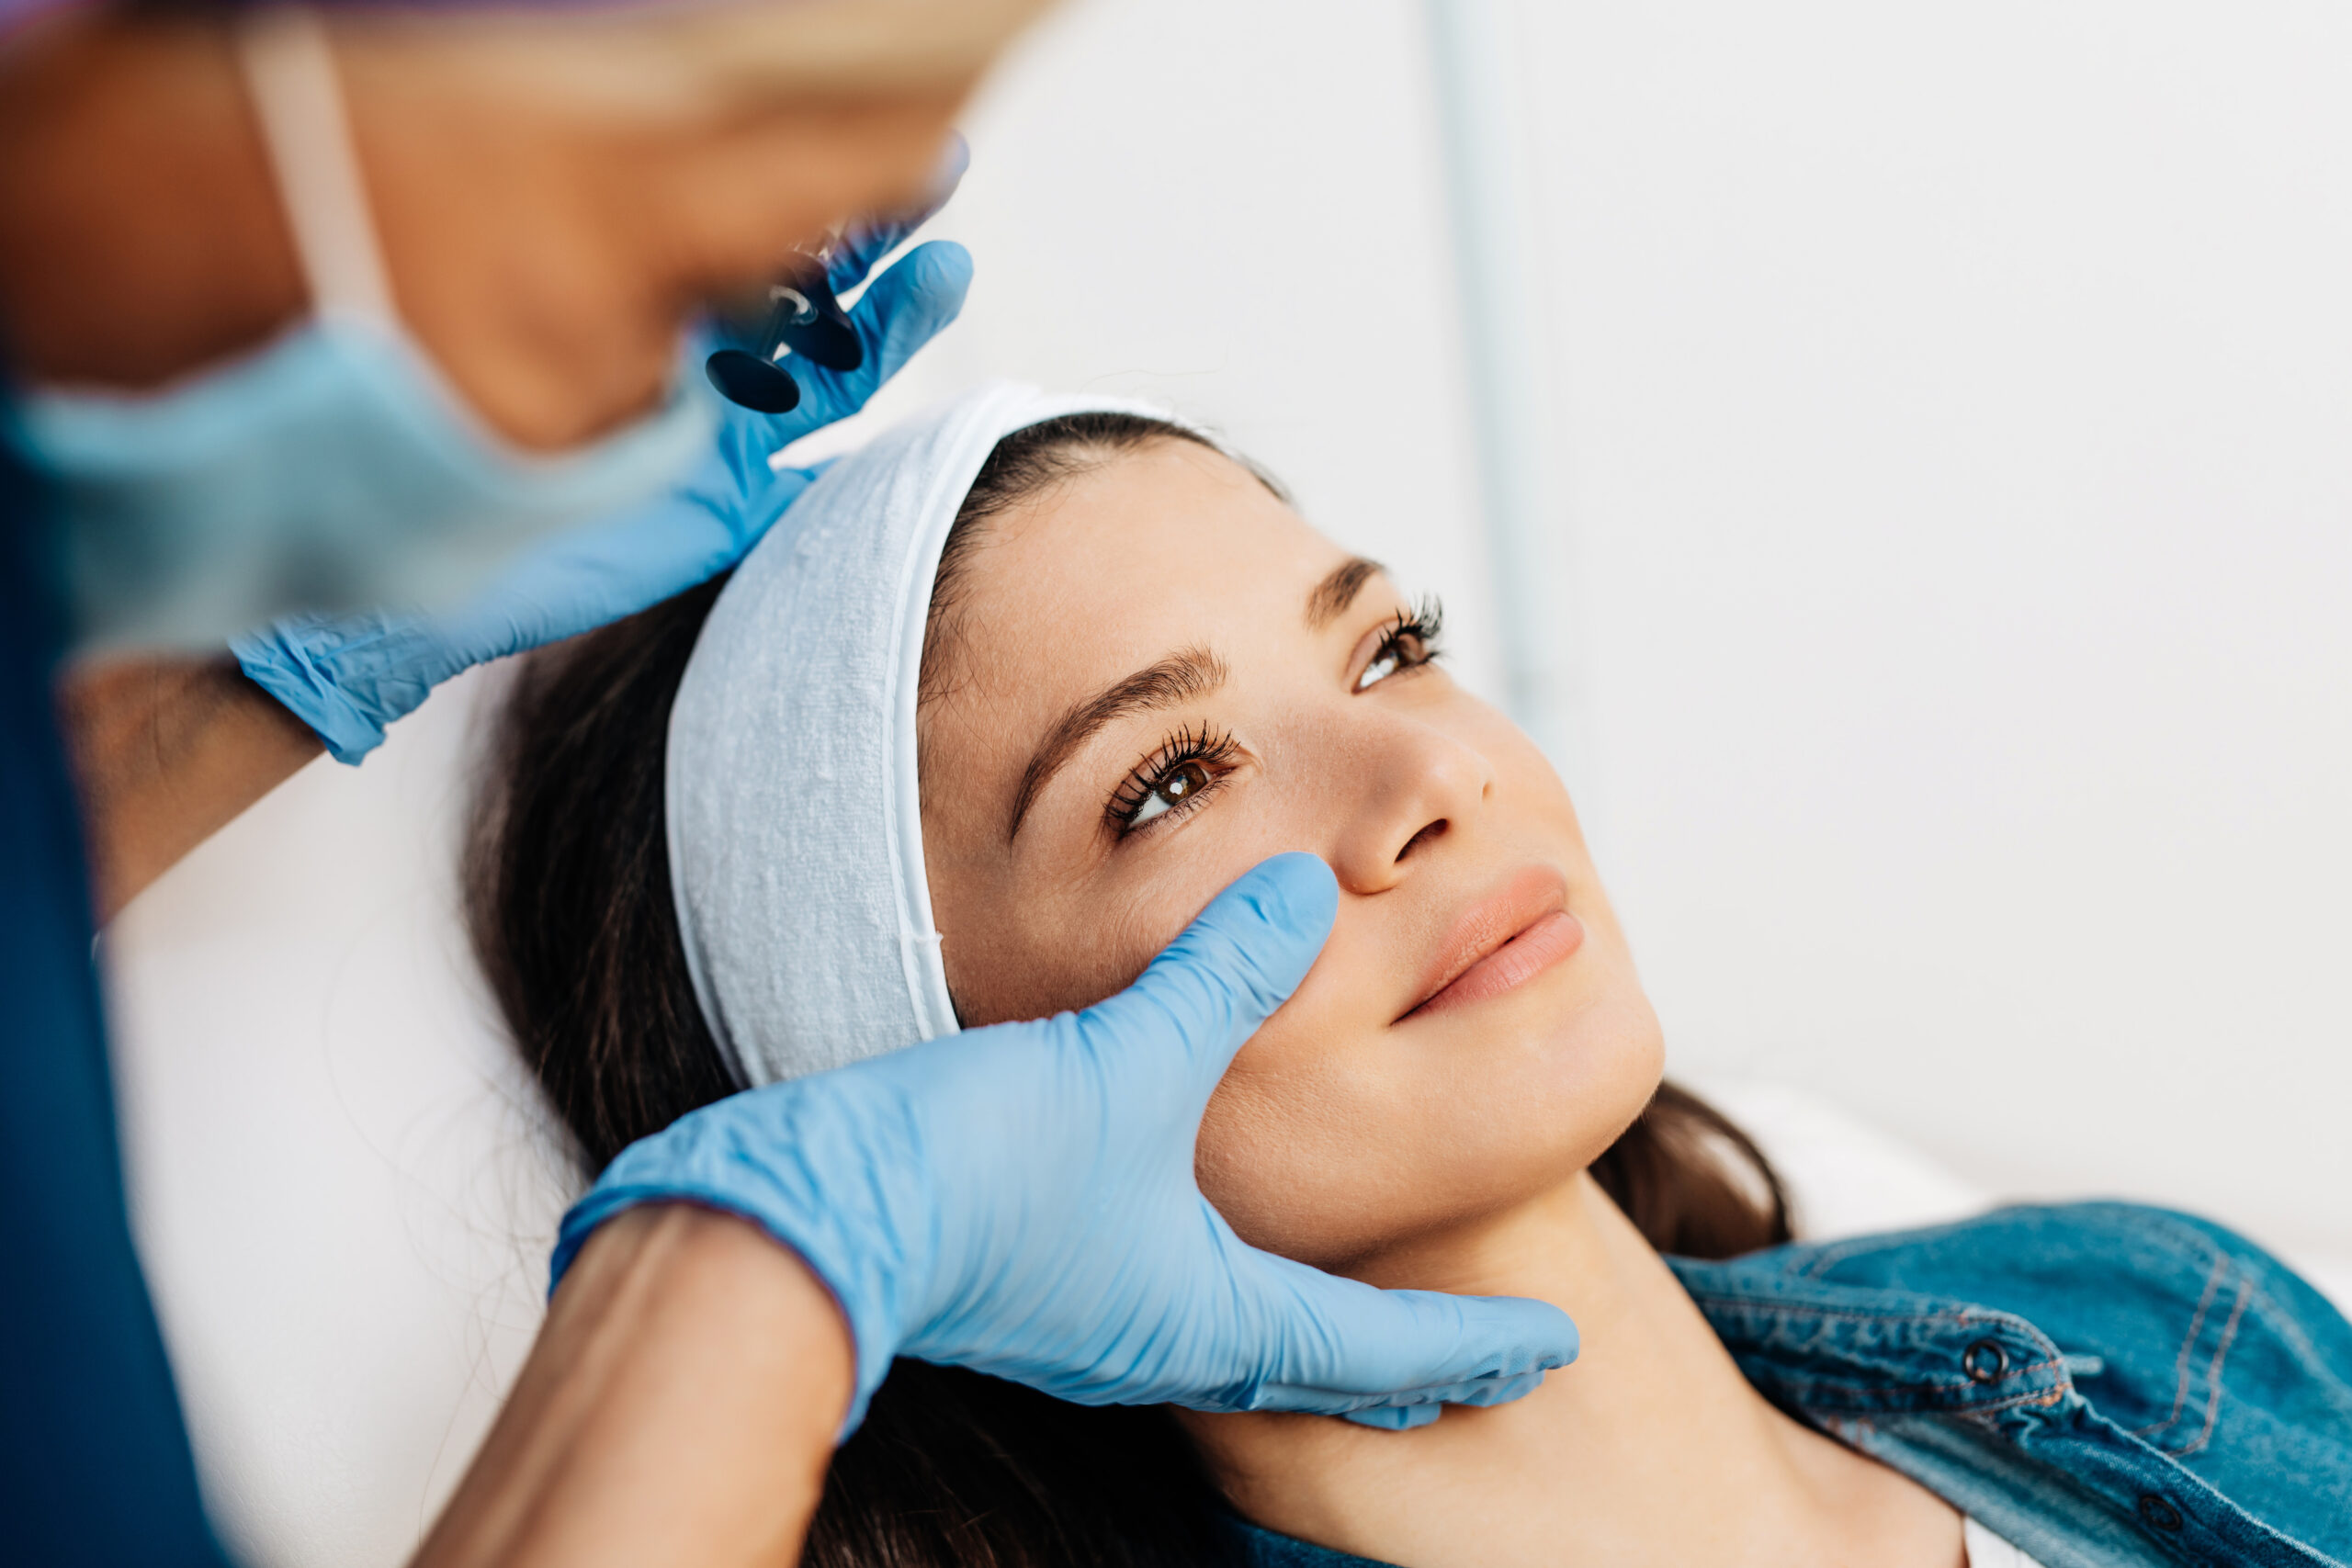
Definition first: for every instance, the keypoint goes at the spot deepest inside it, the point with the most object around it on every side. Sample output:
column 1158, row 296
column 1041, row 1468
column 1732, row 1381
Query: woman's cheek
column 1263, row 1169
column 1164, row 891
column 1091, row 954
column 1298, row 1146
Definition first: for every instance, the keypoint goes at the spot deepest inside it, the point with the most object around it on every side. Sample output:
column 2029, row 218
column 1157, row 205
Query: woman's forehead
column 1163, row 580
column 1175, row 540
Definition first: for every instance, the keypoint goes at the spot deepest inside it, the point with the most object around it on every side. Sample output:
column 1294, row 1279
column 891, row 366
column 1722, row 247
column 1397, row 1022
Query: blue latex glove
column 1020, row 1199
column 349, row 676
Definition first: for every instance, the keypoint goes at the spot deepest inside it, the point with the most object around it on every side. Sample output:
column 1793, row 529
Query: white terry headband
column 795, row 820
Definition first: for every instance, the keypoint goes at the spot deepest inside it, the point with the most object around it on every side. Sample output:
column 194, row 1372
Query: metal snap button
column 1983, row 1360
column 2157, row 1514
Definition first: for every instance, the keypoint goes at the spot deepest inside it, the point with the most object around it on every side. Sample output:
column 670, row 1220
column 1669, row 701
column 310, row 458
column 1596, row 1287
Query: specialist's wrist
column 690, row 1253
column 836, row 1175
column 688, row 1354
column 167, row 749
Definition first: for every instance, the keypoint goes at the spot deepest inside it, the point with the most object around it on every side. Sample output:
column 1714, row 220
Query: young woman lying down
column 1077, row 670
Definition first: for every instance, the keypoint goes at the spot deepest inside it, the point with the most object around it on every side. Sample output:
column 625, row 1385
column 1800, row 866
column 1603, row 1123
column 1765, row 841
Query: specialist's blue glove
column 348, row 676
column 1020, row 1199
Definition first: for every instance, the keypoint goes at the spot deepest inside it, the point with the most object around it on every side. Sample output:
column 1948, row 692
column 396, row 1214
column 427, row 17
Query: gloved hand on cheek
column 1020, row 1199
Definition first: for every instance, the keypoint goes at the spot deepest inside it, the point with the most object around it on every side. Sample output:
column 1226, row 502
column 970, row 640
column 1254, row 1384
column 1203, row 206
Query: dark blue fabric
column 1264, row 1549
column 95, row 1466
column 2101, row 1383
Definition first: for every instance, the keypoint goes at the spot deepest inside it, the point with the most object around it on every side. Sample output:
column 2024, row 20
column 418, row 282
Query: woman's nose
column 1416, row 785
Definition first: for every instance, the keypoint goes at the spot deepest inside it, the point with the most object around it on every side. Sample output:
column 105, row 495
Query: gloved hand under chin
column 349, row 676
column 1020, row 1199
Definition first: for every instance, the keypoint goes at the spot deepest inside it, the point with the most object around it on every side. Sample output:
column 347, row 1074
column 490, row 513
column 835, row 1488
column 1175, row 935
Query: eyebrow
column 1175, row 678
column 1330, row 599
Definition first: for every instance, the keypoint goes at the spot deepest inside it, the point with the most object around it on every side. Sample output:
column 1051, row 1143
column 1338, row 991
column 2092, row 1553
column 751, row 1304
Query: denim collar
column 2152, row 1390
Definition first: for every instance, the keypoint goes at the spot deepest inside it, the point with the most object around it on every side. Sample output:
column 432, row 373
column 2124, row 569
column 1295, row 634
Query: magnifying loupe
column 803, row 318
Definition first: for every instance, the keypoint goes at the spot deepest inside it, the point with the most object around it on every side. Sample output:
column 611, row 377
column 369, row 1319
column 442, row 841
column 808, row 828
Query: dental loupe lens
column 752, row 382
column 826, row 338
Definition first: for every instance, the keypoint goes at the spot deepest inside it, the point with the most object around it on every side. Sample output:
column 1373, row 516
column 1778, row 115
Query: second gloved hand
column 1020, row 1199
column 349, row 676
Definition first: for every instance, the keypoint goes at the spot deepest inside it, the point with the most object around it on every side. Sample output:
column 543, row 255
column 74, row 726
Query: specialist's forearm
column 168, row 751
column 680, row 1407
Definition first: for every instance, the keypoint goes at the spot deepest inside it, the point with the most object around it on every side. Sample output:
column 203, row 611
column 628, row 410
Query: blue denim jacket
column 2101, row 1383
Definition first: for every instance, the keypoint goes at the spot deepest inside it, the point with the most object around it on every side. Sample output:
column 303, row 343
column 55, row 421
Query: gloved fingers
column 1382, row 1410
column 1240, row 959
column 601, row 573
column 1345, row 1346
column 1426, row 1403
column 1495, row 1391
column 905, row 308
column 1395, row 1417
column 865, row 244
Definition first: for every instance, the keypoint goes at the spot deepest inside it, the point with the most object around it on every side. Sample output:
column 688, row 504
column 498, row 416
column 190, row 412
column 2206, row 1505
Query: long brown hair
column 568, row 890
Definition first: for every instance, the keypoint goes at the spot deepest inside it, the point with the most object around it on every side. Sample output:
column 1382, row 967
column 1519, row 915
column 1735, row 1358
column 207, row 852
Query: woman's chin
column 1559, row 1047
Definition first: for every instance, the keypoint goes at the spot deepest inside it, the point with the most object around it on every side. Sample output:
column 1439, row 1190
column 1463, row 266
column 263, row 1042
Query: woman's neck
column 1651, row 1449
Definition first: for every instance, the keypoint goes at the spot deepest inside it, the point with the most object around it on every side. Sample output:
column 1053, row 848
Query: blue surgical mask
column 329, row 470
column 333, row 469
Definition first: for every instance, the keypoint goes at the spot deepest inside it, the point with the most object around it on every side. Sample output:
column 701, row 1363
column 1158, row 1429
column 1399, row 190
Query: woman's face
column 1155, row 676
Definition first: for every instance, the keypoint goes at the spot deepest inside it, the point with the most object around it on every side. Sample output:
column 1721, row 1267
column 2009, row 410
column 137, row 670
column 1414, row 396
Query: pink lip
column 1502, row 942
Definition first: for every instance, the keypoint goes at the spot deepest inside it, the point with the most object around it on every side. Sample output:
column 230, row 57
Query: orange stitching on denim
column 1962, row 1388
column 2213, row 1373
column 2046, row 1397
column 1767, row 1304
column 1967, row 1316
column 2180, row 1363
column 1827, row 1259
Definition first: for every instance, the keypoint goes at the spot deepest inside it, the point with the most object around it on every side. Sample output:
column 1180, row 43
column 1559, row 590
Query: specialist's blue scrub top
column 95, row 1466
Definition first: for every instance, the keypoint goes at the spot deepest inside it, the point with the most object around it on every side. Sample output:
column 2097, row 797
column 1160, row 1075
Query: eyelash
column 1212, row 752
column 1412, row 638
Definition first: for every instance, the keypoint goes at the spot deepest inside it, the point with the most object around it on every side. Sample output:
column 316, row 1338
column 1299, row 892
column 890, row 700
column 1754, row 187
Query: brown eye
column 1190, row 766
column 1411, row 642
column 1179, row 784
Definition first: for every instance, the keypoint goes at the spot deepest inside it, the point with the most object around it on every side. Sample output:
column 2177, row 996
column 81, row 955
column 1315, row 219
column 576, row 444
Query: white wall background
column 1950, row 423
column 1955, row 418
column 1237, row 210
column 1947, row 412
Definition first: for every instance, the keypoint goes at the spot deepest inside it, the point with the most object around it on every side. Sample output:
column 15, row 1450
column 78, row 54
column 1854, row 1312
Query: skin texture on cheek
column 1336, row 1146
column 1341, row 1133
column 997, row 988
